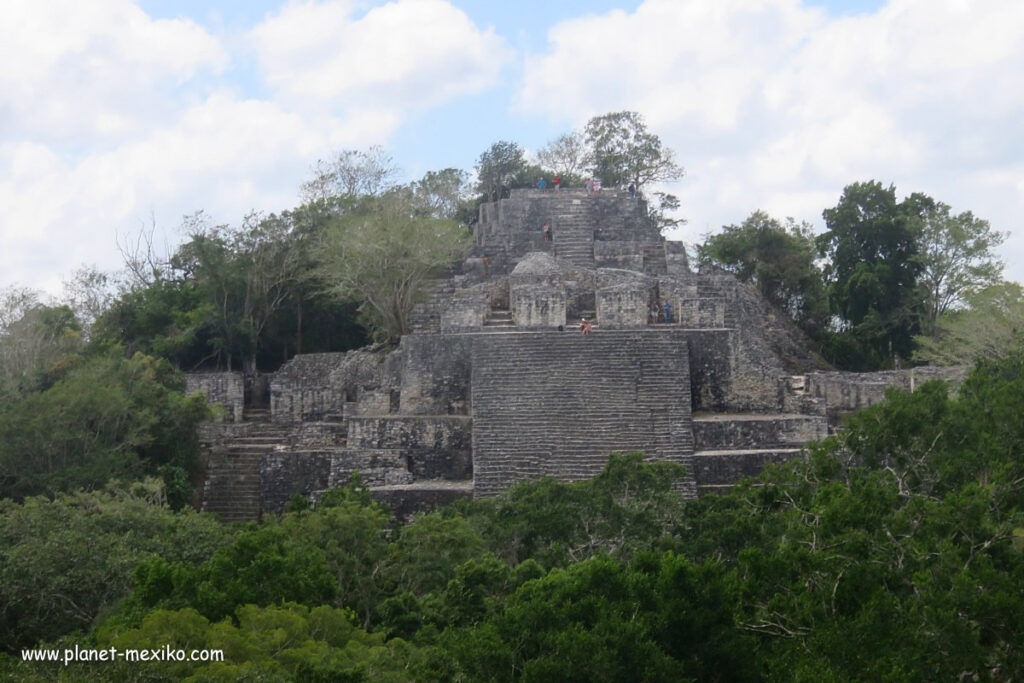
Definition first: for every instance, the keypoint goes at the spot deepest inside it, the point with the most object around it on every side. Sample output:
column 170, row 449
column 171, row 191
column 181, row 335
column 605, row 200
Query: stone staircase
column 233, row 473
column 499, row 317
column 730, row 446
column 557, row 403
column 574, row 236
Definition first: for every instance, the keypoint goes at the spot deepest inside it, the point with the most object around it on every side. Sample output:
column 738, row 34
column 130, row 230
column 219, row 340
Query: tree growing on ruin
column 779, row 259
column 384, row 258
column 502, row 165
column 623, row 151
column 567, row 155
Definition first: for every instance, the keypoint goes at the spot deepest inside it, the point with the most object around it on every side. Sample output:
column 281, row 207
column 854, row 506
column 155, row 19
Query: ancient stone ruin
column 496, row 384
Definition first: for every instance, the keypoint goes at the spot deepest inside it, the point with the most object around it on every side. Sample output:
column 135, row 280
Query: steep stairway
column 557, row 403
column 233, row 480
column 499, row 317
column 573, row 238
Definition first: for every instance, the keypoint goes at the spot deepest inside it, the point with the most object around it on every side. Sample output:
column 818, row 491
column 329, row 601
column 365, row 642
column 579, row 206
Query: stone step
column 724, row 431
column 725, row 467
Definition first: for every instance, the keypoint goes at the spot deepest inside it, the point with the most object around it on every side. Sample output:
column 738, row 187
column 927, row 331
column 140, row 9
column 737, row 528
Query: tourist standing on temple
column 542, row 183
column 666, row 310
column 585, row 327
column 558, row 183
column 545, row 230
column 655, row 312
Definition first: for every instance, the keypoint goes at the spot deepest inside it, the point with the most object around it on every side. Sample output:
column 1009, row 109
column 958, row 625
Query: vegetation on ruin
column 884, row 285
column 895, row 551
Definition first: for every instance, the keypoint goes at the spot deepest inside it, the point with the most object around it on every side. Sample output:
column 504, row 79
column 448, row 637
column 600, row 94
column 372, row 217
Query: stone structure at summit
column 496, row 384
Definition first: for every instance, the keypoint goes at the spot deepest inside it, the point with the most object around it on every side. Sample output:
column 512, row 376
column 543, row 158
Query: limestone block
column 538, row 306
column 226, row 389
column 623, row 306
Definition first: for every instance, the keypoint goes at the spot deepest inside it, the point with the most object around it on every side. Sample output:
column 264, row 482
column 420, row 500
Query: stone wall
column 433, row 447
column 729, row 431
column 302, row 390
column 625, row 305
column 538, row 306
column 283, row 475
column 511, row 227
column 845, row 392
column 435, row 374
column 562, row 411
column 465, row 309
column 226, row 389
column 720, row 471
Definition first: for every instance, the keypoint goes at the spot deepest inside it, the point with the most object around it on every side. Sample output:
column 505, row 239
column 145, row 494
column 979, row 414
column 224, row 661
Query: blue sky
column 125, row 115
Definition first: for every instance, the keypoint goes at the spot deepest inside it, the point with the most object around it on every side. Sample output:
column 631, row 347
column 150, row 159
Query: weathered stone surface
column 720, row 469
column 486, row 391
column 226, row 389
column 436, row 374
column 844, row 392
column 283, row 475
column 434, row 447
column 558, row 403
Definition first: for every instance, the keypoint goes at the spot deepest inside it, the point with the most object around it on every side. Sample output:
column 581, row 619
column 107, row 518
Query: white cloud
column 774, row 105
column 403, row 55
column 224, row 155
column 78, row 71
column 113, row 120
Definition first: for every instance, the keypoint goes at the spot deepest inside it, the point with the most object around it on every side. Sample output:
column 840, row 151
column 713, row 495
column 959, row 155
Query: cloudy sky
column 116, row 115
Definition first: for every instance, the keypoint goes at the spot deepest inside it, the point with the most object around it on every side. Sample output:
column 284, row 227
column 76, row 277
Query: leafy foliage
column 623, row 151
column 872, row 246
column 989, row 327
column 384, row 258
column 64, row 562
column 780, row 260
column 105, row 417
column 351, row 174
column 956, row 258
column 499, row 166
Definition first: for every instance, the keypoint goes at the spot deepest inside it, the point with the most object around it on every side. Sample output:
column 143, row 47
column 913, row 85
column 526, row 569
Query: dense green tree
column 261, row 566
column 105, row 417
column 289, row 642
column 167, row 318
column 441, row 194
column 655, row 619
column 35, row 339
column 623, row 151
column 872, row 250
column 630, row 505
column 245, row 277
column 499, row 166
column 780, row 260
column 384, row 258
column 65, row 561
